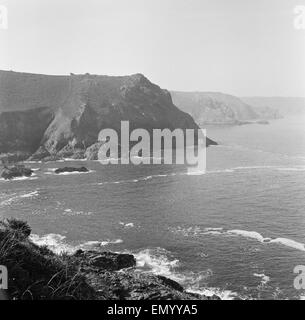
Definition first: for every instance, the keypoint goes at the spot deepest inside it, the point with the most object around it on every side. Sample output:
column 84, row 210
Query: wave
column 249, row 234
column 222, row 294
column 195, row 231
column 190, row 172
column 57, row 243
column 70, row 212
column 264, row 279
column 289, row 243
column 283, row 241
column 51, row 171
column 127, row 225
column 159, row 261
column 155, row 261
column 13, row 197
column 19, row 179
column 254, row 167
column 97, row 244
column 32, row 162
column 222, row 171
column 72, row 160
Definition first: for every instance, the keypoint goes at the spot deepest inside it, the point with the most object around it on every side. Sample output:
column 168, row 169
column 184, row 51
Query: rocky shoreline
column 36, row 273
column 17, row 171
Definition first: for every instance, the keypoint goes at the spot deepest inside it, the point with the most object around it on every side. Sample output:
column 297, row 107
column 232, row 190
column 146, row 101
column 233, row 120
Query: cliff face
column 281, row 105
column 63, row 115
column 215, row 108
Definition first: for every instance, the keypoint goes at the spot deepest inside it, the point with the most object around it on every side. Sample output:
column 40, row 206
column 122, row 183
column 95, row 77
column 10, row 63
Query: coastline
column 37, row 273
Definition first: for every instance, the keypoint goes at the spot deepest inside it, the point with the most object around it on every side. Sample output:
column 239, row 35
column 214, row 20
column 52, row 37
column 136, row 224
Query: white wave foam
column 52, row 172
column 13, row 197
column 209, row 292
column 30, row 195
column 213, row 229
column 70, row 212
column 20, row 179
column 160, row 262
column 289, row 243
column 32, row 162
column 195, row 231
column 57, row 243
column 72, row 160
column 54, row 242
column 283, row 241
column 186, row 232
column 155, row 261
column 98, row 244
column 248, row 234
column 71, row 173
column 146, row 178
column 127, row 225
column 215, row 233
column 254, row 167
column 222, row 171
column 264, row 279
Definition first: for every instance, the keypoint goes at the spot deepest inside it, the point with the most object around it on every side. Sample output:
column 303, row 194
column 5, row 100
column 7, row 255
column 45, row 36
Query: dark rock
column 71, row 169
column 263, row 122
column 132, row 285
column 9, row 173
column 106, row 260
column 171, row 283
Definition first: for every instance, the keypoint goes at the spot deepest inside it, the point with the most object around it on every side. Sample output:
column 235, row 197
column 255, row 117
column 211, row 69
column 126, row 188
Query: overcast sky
column 242, row 47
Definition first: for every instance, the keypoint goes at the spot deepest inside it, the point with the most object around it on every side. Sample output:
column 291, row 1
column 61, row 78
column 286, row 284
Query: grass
column 36, row 273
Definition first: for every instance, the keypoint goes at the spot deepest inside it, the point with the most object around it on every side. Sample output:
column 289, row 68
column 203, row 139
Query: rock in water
column 16, row 172
column 107, row 260
column 71, row 169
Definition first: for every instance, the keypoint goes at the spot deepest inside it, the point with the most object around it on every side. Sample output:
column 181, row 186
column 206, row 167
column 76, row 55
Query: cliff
column 61, row 116
column 218, row 108
column 282, row 105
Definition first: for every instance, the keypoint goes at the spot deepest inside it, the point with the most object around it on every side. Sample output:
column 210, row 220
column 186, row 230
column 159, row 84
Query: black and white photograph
column 152, row 150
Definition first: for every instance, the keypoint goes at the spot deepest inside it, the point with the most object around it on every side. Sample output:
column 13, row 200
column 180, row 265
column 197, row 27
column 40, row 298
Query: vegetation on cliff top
column 37, row 273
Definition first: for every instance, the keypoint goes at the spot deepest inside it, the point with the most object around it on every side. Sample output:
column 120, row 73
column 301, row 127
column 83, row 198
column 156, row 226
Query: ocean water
column 237, row 231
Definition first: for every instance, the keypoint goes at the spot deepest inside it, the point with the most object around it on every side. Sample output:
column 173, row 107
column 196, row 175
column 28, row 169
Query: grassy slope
column 37, row 273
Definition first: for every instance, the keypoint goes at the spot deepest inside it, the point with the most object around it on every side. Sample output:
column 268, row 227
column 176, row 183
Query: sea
column 236, row 231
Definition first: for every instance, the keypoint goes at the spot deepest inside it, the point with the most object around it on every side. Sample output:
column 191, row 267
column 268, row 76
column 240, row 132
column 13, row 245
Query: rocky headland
column 56, row 117
column 216, row 108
